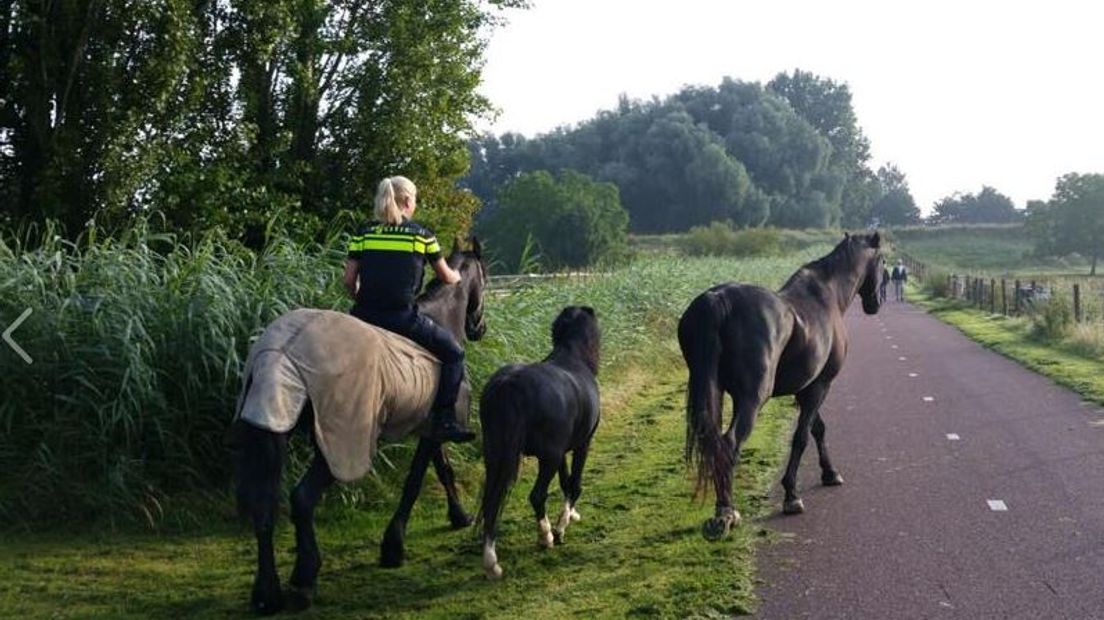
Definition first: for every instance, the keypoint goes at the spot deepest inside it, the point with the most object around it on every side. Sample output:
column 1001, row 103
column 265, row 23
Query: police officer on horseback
column 383, row 274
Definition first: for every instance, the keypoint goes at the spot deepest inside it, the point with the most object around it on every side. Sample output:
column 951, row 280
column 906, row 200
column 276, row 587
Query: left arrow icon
column 7, row 336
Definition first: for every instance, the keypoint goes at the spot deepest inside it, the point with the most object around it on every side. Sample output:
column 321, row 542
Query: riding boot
column 447, row 428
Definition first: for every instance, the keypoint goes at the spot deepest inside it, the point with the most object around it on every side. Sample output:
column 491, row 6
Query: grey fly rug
column 362, row 381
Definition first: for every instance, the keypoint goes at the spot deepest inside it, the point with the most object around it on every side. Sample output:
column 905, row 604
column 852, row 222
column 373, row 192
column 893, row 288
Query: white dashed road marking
column 893, row 346
column 997, row 505
column 902, row 358
column 912, row 374
column 953, row 437
column 929, row 399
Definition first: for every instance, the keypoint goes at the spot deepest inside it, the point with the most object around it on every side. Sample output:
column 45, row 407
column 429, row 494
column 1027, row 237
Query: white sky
column 956, row 93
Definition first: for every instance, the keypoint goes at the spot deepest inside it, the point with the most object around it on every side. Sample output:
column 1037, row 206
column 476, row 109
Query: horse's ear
column 588, row 310
column 846, row 236
column 477, row 247
column 876, row 240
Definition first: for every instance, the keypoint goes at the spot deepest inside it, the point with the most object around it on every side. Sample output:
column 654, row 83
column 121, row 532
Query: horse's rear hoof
column 494, row 573
column 831, row 479
column 715, row 529
column 391, row 560
column 793, row 507
column 268, row 601
column 301, row 599
column 460, row 519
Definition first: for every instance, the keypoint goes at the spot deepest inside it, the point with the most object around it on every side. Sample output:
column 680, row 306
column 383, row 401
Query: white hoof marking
column 544, row 534
column 490, row 562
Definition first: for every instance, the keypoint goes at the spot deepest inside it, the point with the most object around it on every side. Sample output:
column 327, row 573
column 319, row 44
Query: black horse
column 261, row 453
column 755, row 344
column 544, row 410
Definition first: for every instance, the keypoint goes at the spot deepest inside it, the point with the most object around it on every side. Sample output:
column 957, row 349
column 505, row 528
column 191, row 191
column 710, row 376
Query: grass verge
column 638, row 551
column 1013, row 338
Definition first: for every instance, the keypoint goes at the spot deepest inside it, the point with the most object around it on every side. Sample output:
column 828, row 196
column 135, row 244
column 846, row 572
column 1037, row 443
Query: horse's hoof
column 267, row 601
column 558, row 536
column 460, row 520
column 391, row 560
column 301, row 598
column 546, row 540
column 793, row 506
column 575, row 516
column 831, row 479
column 716, row 528
column 494, row 573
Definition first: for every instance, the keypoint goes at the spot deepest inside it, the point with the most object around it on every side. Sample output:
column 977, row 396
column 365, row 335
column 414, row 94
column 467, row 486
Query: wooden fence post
column 1077, row 302
column 1004, row 297
column 992, row 296
column 1016, row 299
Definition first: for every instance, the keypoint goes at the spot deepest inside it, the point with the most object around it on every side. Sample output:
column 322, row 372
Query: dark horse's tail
column 259, row 464
column 502, row 414
column 699, row 334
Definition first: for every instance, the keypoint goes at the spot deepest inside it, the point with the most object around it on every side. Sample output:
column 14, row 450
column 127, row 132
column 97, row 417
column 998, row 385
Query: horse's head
column 577, row 326
column 474, row 279
column 868, row 250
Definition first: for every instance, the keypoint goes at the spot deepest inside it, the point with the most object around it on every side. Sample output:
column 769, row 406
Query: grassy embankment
column 637, row 551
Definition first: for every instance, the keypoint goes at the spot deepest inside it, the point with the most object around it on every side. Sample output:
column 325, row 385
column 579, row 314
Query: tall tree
column 1078, row 211
column 895, row 206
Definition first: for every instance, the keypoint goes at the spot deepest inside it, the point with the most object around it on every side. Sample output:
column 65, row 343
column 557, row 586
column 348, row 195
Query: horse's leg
column 457, row 517
column 538, row 497
column 828, row 474
column 572, row 488
column 809, row 400
column 260, row 464
column 726, row 516
column 391, row 549
column 308, row 560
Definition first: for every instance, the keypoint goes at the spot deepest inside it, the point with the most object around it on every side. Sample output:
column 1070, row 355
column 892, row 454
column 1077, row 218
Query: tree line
column 788, row 154
column 228, row 112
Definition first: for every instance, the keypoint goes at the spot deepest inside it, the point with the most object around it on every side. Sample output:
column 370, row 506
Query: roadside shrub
column 721, row 239
column 1053, row 318
column 936, row 283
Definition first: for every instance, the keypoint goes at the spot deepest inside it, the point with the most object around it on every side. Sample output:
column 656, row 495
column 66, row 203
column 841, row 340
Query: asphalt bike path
column 974, row 488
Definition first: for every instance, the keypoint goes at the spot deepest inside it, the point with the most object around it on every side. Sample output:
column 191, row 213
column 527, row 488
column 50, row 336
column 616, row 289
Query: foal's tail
column 699, row 334
column 502, row 415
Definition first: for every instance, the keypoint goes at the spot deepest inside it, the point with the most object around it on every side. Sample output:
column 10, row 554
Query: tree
column 574, row 220
column 1077, row 209
column 227, row 112
column 988, row 206
column 895, row 206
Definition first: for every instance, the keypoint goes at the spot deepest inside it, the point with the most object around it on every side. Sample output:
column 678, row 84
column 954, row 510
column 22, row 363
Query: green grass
column 637, row 552
column 1064, row 362
column 994, row 249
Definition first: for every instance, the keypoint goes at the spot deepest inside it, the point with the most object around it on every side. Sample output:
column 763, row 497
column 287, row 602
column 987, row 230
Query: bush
column 936, row 282
column 721, row 239
column 570, row 221
column 1053, row 318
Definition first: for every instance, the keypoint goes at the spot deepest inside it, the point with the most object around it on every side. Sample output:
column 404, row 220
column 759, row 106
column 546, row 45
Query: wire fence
column 1015, row 296
column 507, row 284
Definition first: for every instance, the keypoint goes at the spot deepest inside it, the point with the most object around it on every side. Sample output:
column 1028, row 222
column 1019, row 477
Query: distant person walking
column 899, row 277
column 884, row 286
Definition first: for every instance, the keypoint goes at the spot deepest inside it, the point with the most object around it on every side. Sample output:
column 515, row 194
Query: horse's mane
column 436, row 287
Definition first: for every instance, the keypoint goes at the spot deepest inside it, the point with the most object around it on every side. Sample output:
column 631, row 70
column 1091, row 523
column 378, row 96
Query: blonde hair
column 391, row 190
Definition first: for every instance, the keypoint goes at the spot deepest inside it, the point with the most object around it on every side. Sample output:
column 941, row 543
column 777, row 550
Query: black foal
column 544, row 410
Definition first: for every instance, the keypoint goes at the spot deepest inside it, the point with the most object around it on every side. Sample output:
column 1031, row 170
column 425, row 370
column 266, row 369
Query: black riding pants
column 433, row 338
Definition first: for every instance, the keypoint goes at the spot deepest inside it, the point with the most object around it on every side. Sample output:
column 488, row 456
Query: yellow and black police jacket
column 392, row 259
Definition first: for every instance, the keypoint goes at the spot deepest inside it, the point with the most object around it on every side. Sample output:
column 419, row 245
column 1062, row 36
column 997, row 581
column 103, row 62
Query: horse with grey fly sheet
column 753, row 344
column 544, row 410
column 346, row 383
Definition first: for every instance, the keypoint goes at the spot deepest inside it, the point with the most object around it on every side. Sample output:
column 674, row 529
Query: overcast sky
column 957, row 93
